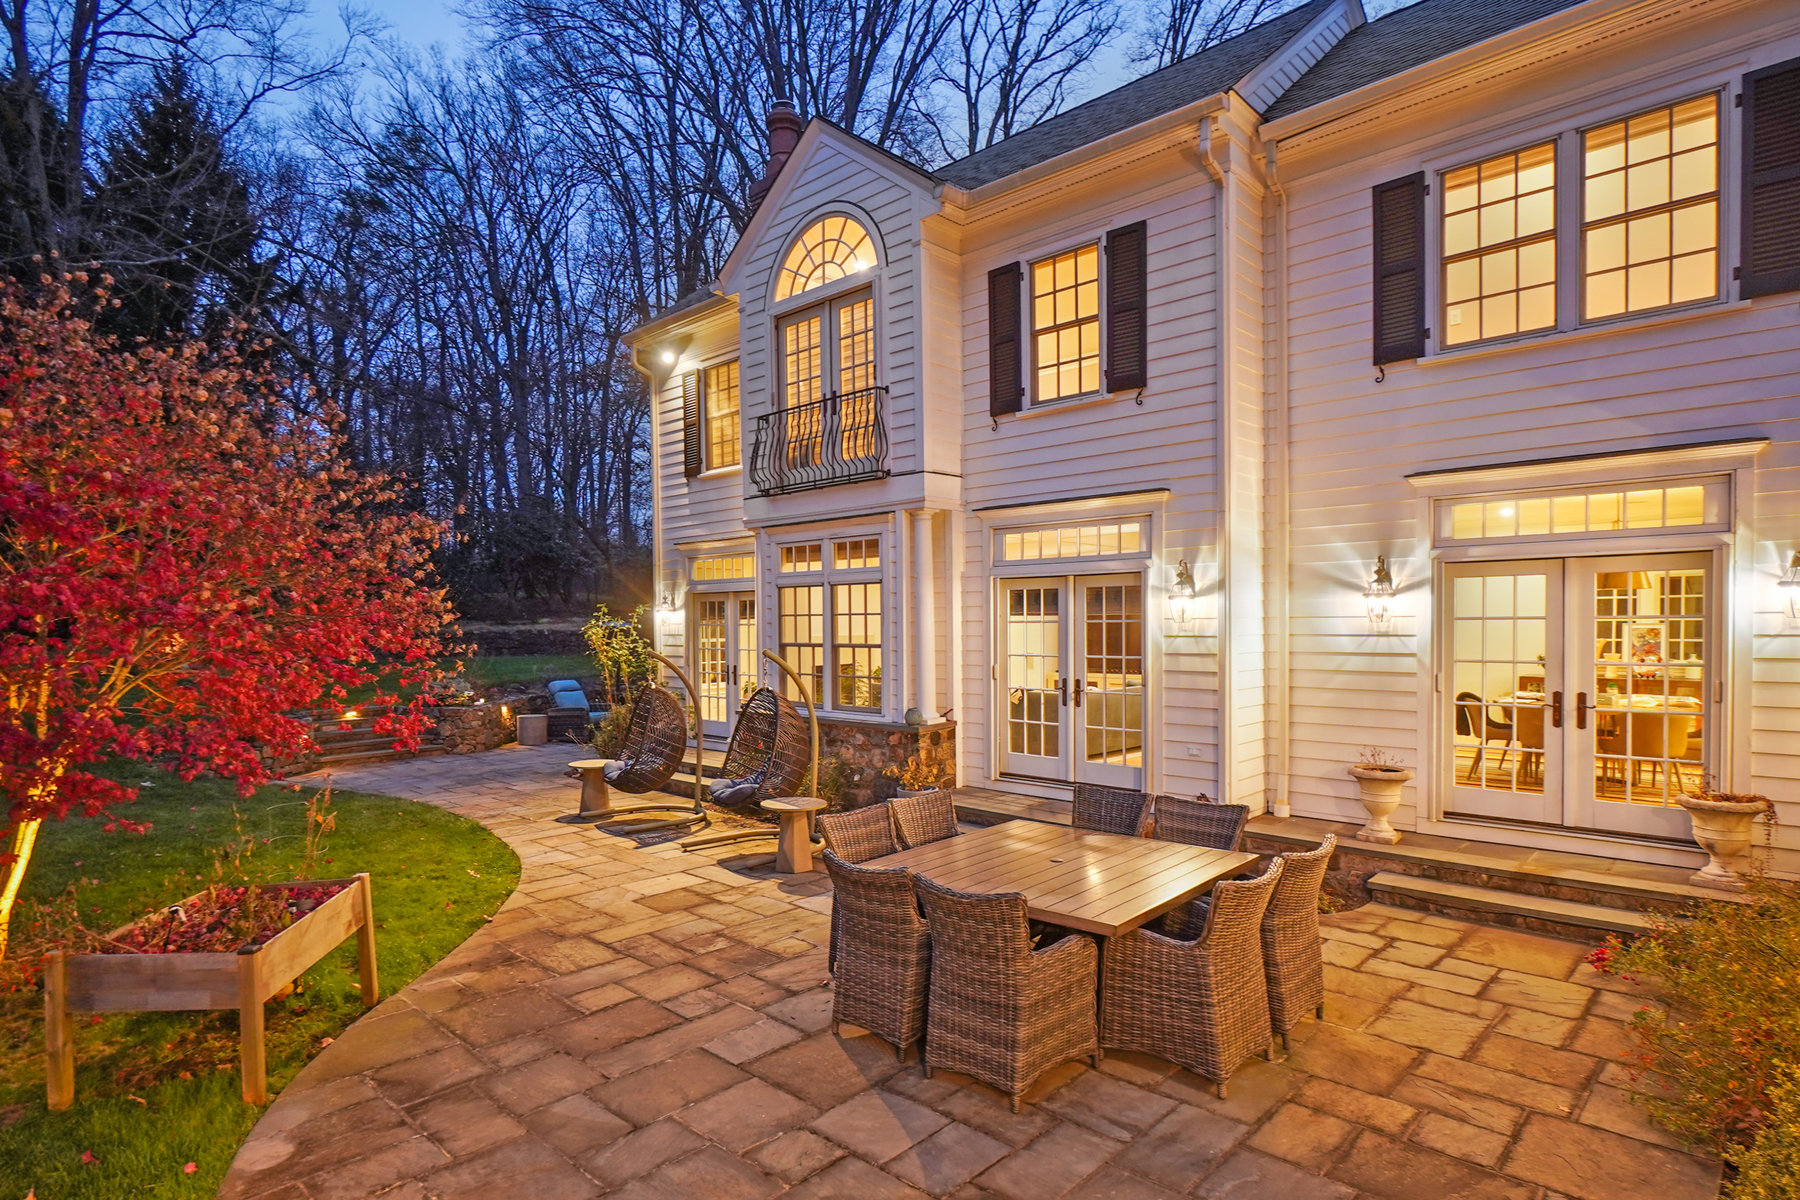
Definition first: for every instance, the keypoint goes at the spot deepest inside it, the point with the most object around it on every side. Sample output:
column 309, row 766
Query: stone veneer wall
column 866, row 747
column 466, row 729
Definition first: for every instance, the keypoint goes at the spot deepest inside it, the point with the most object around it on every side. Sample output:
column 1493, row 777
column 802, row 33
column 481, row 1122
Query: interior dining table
column 1099, row 883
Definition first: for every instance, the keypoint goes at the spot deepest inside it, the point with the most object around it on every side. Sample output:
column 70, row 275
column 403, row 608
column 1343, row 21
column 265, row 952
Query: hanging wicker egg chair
column 655, row 742
column 769, row 755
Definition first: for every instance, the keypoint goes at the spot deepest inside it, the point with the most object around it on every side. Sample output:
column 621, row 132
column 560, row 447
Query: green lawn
column 157, row 1091
column 527, row 668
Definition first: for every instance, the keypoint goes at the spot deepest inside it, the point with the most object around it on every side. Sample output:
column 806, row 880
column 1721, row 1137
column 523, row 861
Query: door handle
column 1581, row 707
column 1062, row 690
column 1556, row 710
column 1078, row 693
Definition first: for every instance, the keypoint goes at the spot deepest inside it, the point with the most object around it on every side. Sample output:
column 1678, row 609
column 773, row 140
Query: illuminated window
column 827, row 352
column 829, row 250
column 724, row 566
column 1065, row 323
column 1624, row 509
column 800, row 558
column 856, row 644
column 1074, row 541
column 1650, row 225
column 1500, row 246
column 721, row 398
column 802, row 637
column 857, row 553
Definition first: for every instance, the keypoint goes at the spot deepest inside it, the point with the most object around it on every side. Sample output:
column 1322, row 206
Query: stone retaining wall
column 867, row 747
column 466, row 729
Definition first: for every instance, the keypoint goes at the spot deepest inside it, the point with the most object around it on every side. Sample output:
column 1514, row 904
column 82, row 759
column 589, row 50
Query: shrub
column 608, row 736
column 1731, row 978
column 1770, row 1168
column 834, row 782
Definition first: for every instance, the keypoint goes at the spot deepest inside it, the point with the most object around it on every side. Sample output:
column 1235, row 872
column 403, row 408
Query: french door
column 1579, row 692
column 1072, row 679
column 725, row 668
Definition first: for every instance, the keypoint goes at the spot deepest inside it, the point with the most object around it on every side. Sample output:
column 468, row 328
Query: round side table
column 793, row 846
column 596, row 797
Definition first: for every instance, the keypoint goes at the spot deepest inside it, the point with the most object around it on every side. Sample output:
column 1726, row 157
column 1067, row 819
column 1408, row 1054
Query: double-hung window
column 1647, row 236
column 830, row 620
column 720, row 398
column 1065, row 323
column 1650, row 221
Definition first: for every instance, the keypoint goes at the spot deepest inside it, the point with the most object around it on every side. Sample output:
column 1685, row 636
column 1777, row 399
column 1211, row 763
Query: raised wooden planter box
column 97, row 983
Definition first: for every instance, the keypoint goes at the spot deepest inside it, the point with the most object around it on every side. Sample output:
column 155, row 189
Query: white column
column 924, row 615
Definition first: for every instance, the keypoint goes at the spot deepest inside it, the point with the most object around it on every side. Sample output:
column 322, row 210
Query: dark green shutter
column 1399, row 216
column 1769, row 254
column 1006, row 363
column 1127, row 351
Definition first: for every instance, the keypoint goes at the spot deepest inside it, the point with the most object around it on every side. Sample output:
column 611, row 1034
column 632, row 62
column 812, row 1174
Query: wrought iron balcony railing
column 840, row 439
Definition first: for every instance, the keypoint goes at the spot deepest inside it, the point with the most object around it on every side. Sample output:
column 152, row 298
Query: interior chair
column 996, row 1008
column 1474, row 720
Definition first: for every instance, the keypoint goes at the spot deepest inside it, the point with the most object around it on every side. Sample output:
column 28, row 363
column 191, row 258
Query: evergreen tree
column 172, row 219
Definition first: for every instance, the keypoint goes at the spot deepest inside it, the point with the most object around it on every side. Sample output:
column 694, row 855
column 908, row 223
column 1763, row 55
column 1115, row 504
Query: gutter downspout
column 655, row 383
column 1280, row 553
column 1223, row 235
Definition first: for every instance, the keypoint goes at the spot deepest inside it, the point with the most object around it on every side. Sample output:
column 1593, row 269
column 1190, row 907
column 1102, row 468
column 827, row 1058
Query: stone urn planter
column 1722, row 823
column 1380, row 786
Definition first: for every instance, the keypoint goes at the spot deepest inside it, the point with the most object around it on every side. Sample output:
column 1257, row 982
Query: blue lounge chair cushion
column 564, row 685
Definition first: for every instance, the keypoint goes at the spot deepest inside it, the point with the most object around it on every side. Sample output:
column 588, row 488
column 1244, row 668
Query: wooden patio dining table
column 1100, row 883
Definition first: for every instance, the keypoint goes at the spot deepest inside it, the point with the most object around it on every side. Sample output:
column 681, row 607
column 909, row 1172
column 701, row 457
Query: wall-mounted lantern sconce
column 1789, row 584
column 1379, row 595
column 1182, row 594
column 666, row 606
column 668, row 357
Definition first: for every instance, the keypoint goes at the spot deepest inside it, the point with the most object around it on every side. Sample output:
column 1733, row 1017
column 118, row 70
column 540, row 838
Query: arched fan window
column 829, row 250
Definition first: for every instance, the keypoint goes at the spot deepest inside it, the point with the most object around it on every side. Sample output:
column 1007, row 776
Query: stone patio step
column 1545, row 914
column 384, row 753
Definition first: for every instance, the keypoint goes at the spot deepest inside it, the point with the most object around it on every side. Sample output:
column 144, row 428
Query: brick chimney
column 784, row 127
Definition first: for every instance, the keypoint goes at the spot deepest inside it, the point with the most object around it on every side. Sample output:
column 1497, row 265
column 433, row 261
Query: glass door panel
column 1108, row 695
column 1644, row 690
column 712, row 669
column 1034, row 685
column 724, row 657
column 1502, row 688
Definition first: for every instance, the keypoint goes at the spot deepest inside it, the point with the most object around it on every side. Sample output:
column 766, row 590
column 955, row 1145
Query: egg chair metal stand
column 656, row 742
column 767, row 745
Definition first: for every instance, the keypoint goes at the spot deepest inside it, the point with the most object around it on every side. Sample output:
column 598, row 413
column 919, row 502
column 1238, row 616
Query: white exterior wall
column 1725, row 371
column 1106, row 446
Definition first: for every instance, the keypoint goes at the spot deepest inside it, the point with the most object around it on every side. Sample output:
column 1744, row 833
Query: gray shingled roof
column 1405, row 39
column 1194, row 78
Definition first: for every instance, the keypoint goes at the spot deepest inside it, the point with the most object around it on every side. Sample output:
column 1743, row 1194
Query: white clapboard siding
column 1729, row 372
column 1107, row 446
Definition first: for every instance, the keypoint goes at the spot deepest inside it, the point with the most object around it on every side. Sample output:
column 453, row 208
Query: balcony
column 840, row 439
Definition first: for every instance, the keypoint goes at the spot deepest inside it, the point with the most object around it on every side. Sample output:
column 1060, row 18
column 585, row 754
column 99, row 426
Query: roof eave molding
column 1544, row 28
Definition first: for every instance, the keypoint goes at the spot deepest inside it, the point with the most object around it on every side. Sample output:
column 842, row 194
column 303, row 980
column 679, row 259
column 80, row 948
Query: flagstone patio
column 644, row 1023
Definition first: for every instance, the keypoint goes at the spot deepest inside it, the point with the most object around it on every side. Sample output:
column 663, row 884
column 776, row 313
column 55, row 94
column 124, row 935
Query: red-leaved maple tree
column 185, row 562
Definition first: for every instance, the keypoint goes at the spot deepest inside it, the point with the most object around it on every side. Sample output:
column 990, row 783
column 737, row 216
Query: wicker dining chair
column 1109, row 809
column 1202, row 1004
column 855, row 837
column 930, row 817
column 997, row 1009
column 1293, row 959
column 860, row 834
column 1200, row 822
column 884, row 952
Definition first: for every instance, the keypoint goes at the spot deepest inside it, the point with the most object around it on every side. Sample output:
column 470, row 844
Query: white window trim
column 1032, row 401
column 709, row 471
column 1734, row 569
column 742, row 584
column 824, row 577
column 826, row 291
column 1570, row 184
